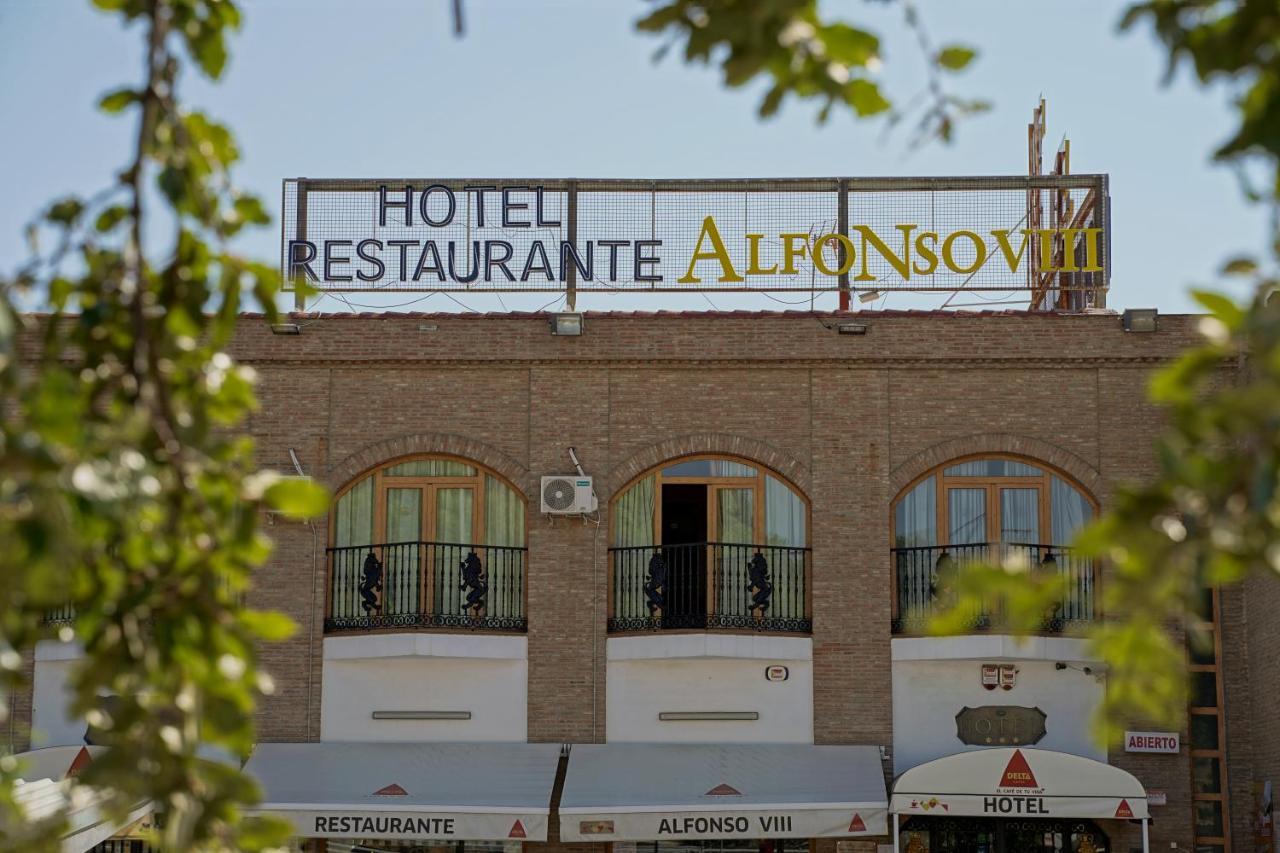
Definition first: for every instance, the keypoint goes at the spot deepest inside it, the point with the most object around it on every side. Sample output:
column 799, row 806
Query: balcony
column 916, row 594
column 709, row 585
column 64, row 615
column 405, row 585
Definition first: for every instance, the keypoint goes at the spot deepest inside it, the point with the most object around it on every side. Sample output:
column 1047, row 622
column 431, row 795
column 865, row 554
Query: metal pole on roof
column 842, row 225
column 571, row 219
column 300, row 233
column 1146, row 842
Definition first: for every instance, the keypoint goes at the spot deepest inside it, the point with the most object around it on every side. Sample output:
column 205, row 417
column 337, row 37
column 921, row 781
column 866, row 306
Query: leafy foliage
column 127, row 493
column 788, row 43
column 1209, row 518
column 1237, row 42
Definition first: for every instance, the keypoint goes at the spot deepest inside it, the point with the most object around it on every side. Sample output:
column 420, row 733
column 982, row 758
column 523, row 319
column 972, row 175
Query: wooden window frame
column 428, row 485
column 756, row 482
column 942, row 526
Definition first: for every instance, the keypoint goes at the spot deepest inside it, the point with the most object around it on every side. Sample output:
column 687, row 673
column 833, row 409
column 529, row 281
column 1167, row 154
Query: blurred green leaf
column 270, row 626
column 865, row 97
column 65, row 212
column 116, row 101
column 297, row 497
column 956, row 57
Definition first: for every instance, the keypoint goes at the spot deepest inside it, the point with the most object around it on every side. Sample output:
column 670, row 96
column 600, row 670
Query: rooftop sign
column 1046, row 234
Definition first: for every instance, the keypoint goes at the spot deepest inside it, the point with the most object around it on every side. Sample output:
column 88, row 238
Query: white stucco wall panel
column 992, row 647
column 493, row 690
column 698, row 645
column 640, row 689
column 417, row 644
column 51, row 719
column 927, row 695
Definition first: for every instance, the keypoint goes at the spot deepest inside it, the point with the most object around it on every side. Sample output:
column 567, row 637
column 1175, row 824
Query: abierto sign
column 1151, row 742
column 811, row 234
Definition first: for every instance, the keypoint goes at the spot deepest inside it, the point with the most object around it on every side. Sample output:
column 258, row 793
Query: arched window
column 707, row 542
column 427, row 541
column 989, row 508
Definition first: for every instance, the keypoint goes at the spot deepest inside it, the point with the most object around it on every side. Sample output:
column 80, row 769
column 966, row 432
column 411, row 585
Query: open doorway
column 684, row 537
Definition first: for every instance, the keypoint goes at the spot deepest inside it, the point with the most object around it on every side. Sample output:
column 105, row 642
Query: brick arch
column 997, row 443
column 654, row 455
column 373, row 455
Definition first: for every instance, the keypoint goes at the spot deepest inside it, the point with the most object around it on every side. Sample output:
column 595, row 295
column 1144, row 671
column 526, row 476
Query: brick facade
column 850, row 420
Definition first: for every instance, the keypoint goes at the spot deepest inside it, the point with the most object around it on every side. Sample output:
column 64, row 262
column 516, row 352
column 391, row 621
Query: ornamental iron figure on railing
column 473, row 579
column 759, row 586
column 372, row 583
column 656, row 584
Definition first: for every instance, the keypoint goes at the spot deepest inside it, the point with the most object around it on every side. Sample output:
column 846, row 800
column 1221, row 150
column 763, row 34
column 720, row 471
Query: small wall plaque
column 1000, row 725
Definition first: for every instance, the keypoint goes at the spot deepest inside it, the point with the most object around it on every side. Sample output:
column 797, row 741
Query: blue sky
column 568, row 89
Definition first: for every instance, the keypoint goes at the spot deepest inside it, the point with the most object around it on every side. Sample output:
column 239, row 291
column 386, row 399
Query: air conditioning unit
column 570, row 495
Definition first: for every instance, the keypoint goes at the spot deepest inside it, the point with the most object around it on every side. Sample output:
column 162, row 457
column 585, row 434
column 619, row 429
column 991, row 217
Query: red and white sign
column 1017, row 773
column 1151, row 742
column 1008, row 676
column 990, row 676
column 1012, row 782
column 776, row 672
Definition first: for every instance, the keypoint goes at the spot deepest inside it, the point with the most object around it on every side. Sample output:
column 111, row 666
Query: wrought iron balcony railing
column 709, row 585
column 64, row 615
column 917, row 595
column 426, row 585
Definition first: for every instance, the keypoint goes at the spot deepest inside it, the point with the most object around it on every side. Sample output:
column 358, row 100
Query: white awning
column 447, row 791
column 646, row 792
column 1012, row 782
column 46, row 787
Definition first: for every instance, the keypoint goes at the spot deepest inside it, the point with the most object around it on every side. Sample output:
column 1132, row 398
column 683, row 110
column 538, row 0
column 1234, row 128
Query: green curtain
column 915, row 518
column 352, row 526
column 735, row 525
column 1020, row 516
column 632, row 528
column 353, row 515
column 633, row 516
column 431, row 468
column 504, row 525
column 453, row 525
column 784, row 515
column 967, row 514
column 785, row 525
column 1070, row 511
column 402, row 574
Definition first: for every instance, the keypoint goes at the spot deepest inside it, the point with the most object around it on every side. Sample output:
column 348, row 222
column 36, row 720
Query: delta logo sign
column 1018, row 776
column 1020, row 793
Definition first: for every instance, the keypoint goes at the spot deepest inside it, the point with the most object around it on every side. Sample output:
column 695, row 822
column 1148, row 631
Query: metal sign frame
column 835, row 211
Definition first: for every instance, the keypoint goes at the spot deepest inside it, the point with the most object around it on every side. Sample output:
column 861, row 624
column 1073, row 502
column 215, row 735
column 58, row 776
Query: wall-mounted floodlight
column 1141, row 320
column 286, row 329
column 566, row 324
column 851, row 328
